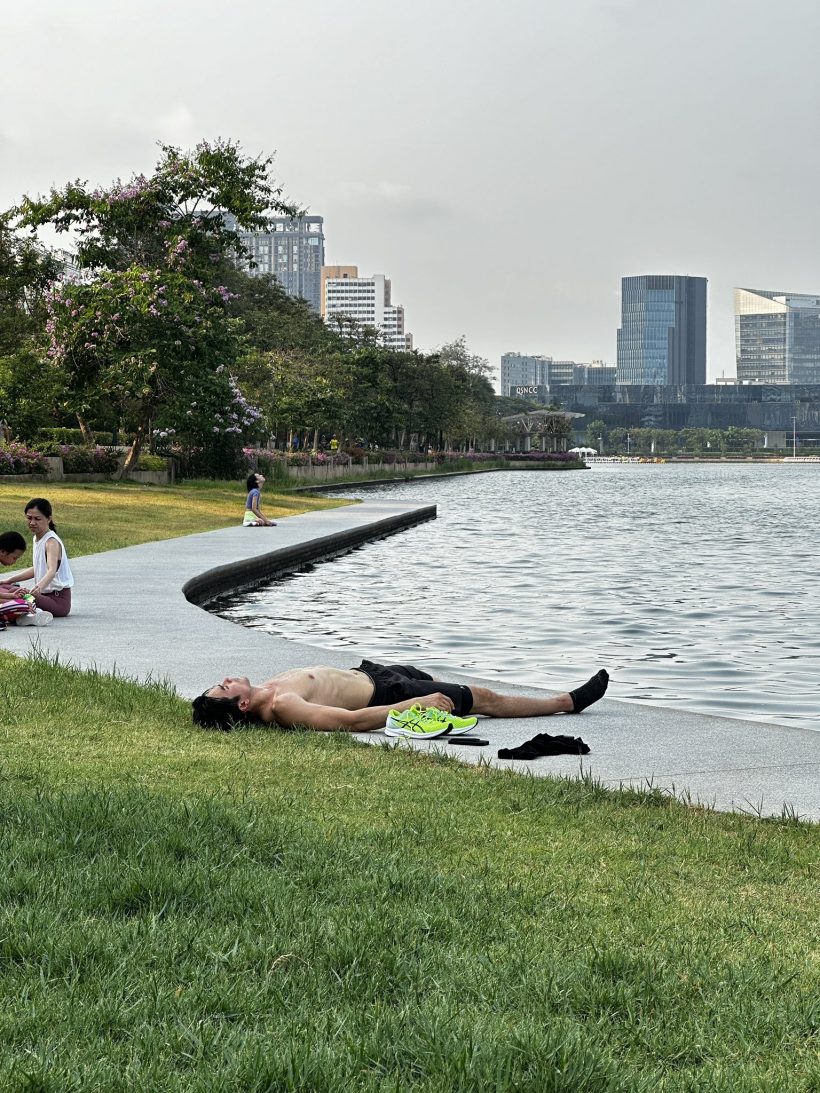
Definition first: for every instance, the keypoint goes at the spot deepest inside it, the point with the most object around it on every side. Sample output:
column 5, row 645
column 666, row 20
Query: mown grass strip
column 183, row 910
column 92, row 517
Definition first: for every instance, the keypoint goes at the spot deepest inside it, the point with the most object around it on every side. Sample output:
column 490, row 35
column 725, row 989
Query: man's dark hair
column 12, row 540
column 220, row 713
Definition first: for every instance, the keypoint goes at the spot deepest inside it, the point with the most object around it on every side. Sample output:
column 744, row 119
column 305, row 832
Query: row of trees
column 617, row 440
column 163, row 337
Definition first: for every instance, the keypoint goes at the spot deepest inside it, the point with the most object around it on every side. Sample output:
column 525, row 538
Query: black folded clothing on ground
column 544, row 744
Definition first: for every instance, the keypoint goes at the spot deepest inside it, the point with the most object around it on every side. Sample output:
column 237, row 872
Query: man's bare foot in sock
column 589, row 692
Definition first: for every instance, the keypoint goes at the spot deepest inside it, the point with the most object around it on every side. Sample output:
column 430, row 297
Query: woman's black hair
column 42, row 506
column 220, row 713
column 12, row 540
column 252, row 484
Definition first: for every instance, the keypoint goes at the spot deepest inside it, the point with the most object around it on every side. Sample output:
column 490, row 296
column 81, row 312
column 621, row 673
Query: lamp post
column 600, row 445
column 794, row 438
column 628, row 441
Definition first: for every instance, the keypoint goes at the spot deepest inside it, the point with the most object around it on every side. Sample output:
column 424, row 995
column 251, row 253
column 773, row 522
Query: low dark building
column 769, row 407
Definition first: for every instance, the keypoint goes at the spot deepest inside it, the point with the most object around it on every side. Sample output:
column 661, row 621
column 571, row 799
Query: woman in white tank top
column 53, row 579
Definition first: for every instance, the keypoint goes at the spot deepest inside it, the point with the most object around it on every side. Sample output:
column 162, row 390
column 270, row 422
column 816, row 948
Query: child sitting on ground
column 254, row 517
column 15, row 602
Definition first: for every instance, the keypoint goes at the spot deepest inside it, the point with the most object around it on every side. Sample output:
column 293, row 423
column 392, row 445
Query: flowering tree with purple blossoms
column 170, row 219
column 150, row 328
column 154, row 343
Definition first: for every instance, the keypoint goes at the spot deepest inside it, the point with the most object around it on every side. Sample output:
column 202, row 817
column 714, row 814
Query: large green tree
column 155, row 344
column 169, row 219
column 151, row 326
column 27, row 391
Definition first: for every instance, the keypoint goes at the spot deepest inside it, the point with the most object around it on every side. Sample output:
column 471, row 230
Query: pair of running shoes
column 420, row 723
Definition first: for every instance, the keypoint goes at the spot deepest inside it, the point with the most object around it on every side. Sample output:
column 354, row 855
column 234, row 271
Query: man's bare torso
column 347, row 689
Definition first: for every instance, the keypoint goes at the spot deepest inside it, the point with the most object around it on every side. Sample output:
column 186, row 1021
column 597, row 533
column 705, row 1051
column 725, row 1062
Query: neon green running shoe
column 458, row 725
column 414, row 723
column 426, row 724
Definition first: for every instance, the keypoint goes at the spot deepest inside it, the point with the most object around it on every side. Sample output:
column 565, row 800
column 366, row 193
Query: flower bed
column 78, row 459
column 541, row 457
column 16, row 458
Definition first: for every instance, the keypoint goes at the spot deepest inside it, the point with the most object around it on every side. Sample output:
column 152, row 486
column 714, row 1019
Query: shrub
column 541, row 457
column 148, row 462
column 16, row 458
column 270, row 463
column 49, row 447
column 71, row 436
column 221, row 461
column 82, row 460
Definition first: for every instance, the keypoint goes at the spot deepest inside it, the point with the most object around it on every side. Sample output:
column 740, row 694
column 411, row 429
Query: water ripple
column 694, row 585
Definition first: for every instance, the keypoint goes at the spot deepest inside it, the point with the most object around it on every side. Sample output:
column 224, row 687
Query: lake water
column 695, row 586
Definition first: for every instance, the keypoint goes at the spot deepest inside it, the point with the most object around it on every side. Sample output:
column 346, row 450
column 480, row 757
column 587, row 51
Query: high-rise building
column 662, row 338
column 293, row 250
column 777, row 337
column 519, row 370
column 363, row 302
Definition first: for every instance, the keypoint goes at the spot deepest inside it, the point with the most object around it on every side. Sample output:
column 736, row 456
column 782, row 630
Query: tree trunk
column 85, row 429
column 133, row 452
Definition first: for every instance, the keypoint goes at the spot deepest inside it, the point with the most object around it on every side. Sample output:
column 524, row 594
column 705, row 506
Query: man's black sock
column 544, row 744
column 590, row 692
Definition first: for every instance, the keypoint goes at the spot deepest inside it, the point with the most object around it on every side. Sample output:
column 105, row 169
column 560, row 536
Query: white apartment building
column 528, row 370
column 365, row 301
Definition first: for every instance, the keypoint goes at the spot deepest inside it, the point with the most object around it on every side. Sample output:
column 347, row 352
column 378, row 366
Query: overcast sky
column 504, row 163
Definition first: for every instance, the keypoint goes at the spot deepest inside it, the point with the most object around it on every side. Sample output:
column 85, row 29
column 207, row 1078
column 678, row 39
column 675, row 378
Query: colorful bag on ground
column 22, row 604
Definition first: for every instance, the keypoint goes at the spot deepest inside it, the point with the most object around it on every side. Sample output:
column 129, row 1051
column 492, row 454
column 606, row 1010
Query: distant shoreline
column 729, row 460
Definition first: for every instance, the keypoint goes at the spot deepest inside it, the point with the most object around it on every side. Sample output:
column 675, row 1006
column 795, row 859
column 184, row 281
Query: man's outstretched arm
column 290, row 710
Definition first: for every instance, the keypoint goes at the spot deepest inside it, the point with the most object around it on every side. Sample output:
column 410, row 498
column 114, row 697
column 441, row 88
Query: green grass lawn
column 91, row 517
column 184, row 910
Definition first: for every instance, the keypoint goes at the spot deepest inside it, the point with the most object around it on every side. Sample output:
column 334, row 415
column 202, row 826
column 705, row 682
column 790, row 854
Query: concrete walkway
column 131, row 613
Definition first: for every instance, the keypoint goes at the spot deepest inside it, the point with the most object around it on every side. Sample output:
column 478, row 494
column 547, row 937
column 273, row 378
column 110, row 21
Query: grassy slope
column 93, row 517
column 182, row 910
column 186, row 911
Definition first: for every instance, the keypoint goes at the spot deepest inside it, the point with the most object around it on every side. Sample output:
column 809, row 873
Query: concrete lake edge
column 157, row 630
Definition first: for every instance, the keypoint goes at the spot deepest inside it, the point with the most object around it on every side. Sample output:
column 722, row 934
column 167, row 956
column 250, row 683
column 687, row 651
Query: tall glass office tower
column 662, row 339
column 777, row 336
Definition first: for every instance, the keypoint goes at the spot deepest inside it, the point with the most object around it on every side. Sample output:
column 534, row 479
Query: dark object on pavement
column 544, row 744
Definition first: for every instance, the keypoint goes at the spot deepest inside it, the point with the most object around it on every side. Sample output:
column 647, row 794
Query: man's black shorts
column 394, row 683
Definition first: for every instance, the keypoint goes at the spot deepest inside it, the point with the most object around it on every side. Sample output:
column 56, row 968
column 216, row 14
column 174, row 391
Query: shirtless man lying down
column 360, row 699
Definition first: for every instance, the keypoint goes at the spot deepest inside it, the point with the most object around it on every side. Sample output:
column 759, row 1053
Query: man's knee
column 484, row 700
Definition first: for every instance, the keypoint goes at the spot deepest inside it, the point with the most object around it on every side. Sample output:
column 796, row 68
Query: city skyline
column 507, row 166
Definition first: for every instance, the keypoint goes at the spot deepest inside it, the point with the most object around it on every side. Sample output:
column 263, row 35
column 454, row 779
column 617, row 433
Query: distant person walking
column 254, row 517
column 51, row 572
